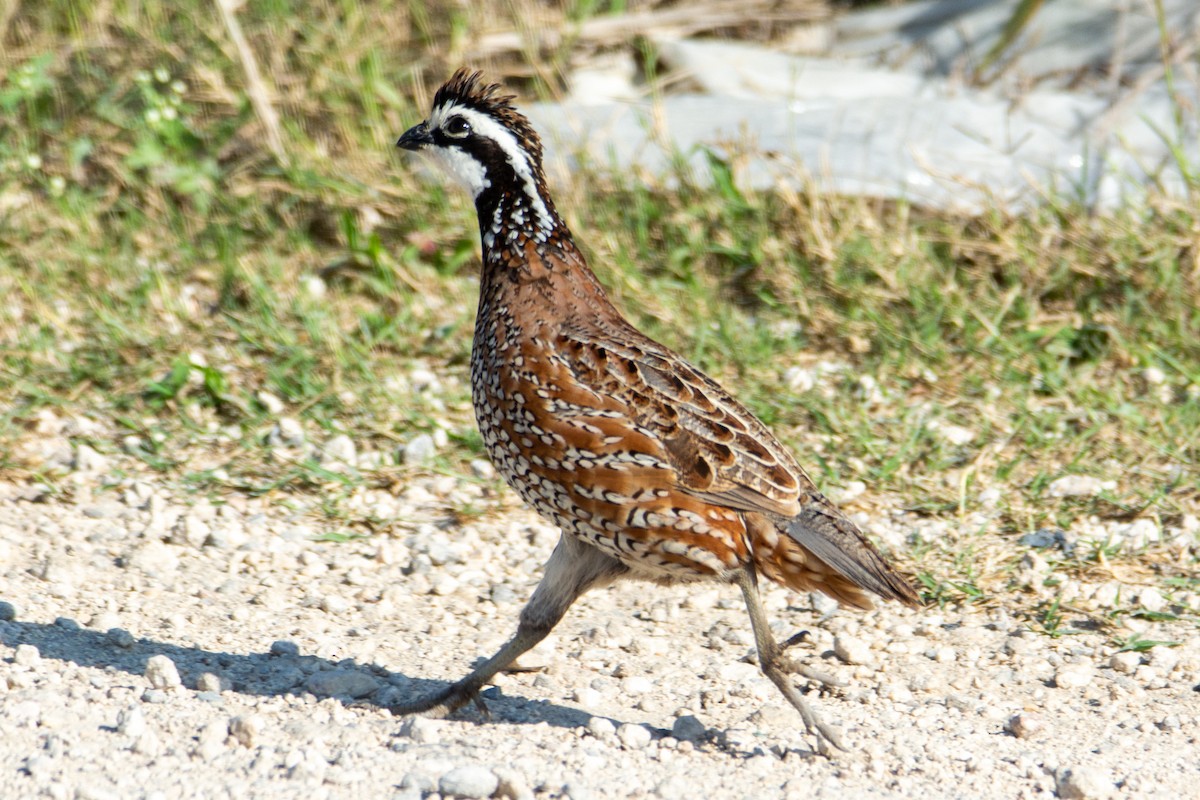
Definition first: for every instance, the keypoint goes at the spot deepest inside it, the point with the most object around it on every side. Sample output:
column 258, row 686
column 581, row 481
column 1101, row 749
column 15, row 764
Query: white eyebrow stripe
column 487, row 127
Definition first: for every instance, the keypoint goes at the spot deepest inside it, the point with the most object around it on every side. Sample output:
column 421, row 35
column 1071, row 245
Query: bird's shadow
column 271, row 674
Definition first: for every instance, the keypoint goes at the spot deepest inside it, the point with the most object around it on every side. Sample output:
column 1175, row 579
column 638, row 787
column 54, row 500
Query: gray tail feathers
column 830, row 536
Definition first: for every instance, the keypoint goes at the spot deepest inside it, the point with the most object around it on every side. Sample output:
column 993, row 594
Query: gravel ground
column 156, row 646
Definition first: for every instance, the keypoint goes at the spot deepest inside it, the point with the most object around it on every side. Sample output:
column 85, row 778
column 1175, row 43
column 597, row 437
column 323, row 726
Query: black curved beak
column 415, row 138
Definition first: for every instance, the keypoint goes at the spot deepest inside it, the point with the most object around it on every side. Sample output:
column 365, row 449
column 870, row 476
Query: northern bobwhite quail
column 651, row 469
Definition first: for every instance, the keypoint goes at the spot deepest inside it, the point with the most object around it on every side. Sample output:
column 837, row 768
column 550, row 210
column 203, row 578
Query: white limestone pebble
column 468, row 781
column 1083, row 783
column 852, row 650
column 161, row 672
column 634, row 736
column 342, row 683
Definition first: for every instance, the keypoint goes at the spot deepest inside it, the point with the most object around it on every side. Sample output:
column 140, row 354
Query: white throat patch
column 462, row 167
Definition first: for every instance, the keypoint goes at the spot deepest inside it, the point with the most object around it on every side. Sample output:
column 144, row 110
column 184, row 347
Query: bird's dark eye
column 457, row 127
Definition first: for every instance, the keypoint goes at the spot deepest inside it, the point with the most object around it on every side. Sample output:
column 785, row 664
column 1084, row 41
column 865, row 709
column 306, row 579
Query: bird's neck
column 530, row 254
column 520, row 229
column 512, row 205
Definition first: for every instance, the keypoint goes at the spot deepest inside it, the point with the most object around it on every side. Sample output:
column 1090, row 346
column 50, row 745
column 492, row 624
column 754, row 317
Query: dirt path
column 151, row 648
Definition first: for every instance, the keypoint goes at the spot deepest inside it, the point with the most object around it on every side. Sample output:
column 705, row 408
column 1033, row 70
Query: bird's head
column 479, row 138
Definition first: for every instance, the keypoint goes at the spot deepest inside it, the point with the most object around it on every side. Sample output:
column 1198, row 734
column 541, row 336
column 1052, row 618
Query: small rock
column 1024, row 725
column 227, row 537
column 420, row 450
column 422, row 730
column 211, row 741
column 1164, row 658
column 470, row 780
column 421, row 379
column 26, row 655
column 191, row 530
column 156, row 559
column 1137, row 534
column 102, row 511
column 800, row 379
column 990, row 497
column 420, row 782
column 822, row 604
column 307, row 764
column 342, row 683
column 340, row 449
column 1154, row 376
column 39, row 767
column 1079, row 486
column 1045, row 537
column 688, row 729
column 443, row 584
column 273, row 405
column 511, row 784
column 1083, row 783
column 88, row 460
column 131, row 722
column 637, row 684
column 634, row 737
column 955, row 434
column 1073, row 676
column 601, row 728
column 119, row 637
column 945, row 655
column 161, row 672
column 1152, row 599
column 1107, row 595
column 208, row 682
column 848, row 493
column 148, row 744
column 288, row 432
column 8, row 612
column 247, row 730
column 852, row 651
column 1126, row 662
column 482, row 469
column 282, row 648
column 334, row 604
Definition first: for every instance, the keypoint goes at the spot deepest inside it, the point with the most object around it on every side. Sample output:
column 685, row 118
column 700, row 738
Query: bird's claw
column 795, row 639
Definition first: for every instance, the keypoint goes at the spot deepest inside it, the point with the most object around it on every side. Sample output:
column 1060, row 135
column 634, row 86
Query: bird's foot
column 796, row 668
column 777, row 668
column 443, row 703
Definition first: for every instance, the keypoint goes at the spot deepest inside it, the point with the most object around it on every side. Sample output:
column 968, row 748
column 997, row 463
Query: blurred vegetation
column 165, row 275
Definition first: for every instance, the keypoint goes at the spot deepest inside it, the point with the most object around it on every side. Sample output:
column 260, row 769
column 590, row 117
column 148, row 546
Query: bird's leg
column 574, row 567
column 776, row 666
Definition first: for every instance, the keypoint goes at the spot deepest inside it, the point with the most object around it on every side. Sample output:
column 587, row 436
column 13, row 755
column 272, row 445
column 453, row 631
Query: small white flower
column 179, row 87
column 169, row 113
column 141, row 76
column 58, row 185
column 33, row 161
column 162, row 75
column 153, row 116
